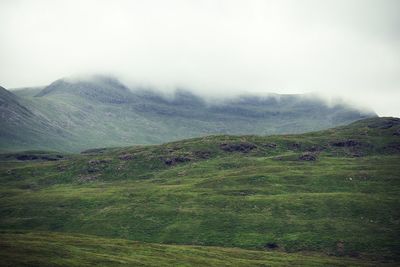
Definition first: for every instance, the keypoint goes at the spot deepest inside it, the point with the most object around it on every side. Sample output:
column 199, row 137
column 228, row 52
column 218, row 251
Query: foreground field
column 54, row 249
column 334, row 193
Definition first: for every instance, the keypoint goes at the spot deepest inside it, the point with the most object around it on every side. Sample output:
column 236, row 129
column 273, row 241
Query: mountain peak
column 95, row 88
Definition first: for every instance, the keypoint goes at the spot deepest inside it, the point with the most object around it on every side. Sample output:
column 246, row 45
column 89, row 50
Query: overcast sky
column 347, row 48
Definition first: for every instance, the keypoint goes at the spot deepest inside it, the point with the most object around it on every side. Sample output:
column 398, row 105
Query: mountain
column 21, row 126
column 322, row 198
column 99, row 111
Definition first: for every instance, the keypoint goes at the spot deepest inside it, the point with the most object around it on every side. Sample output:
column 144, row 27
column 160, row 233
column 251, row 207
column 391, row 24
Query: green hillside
column 328, row 193
column 73, row 115
column 55, row 249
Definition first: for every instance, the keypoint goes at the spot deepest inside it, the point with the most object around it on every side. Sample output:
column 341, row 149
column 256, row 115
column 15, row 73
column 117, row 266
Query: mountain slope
column 334, row 192
column 100, row 111
column 21, row 127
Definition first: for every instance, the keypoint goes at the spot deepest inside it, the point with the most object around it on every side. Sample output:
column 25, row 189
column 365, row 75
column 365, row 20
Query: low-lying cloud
column 349, row 48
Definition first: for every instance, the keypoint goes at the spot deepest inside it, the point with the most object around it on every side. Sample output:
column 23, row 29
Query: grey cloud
column 347, row 48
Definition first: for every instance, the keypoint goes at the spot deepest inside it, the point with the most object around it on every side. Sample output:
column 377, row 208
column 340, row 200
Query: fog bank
column 349, row 49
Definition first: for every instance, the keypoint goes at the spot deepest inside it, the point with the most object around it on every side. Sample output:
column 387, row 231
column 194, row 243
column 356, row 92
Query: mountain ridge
column 101, row 111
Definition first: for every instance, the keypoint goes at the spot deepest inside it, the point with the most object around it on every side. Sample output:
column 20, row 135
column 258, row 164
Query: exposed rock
column 243, row 147
column 269, row 145
column 346, row 143
column 51, row 158
column 91, row 169
column 94, row 151
column 385, row 124
column 61, row 168
column 295, row 146
column 95, row 165
column 98, row 161
column 271, row 245
column 26, row 157
column 126, row 157
column 94, row 162
column 397, row 132
column 340, row 247
column 357, row 154
column 176, row 160
column 202, row 154
column 393, row 147
column 308, row 157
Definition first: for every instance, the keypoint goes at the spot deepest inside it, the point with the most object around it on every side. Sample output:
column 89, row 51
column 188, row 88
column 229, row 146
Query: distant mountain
column 25, row 128
column 73, row 115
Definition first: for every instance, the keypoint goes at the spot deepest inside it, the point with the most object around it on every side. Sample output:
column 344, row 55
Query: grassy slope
column 344, row 203
column 54, row 249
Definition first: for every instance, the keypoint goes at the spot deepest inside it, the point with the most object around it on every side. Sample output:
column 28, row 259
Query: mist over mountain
column 100, row 111
column 199, row 133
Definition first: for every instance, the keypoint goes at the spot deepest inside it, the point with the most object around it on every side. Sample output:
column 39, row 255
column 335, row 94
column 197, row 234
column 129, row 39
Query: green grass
column 55, row 249
column 343, row 204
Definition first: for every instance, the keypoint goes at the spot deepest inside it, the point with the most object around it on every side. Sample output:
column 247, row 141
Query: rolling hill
column 322, row 198
column 55, row 249
column 73, row 115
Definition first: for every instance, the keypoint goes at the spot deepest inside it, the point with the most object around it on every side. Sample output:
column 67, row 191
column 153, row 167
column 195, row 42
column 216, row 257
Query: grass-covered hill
column 328, row 197
column 56, row 249
column 73, row 115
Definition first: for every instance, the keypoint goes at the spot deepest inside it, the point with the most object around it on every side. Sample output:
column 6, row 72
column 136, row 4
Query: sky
column 336, row 48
